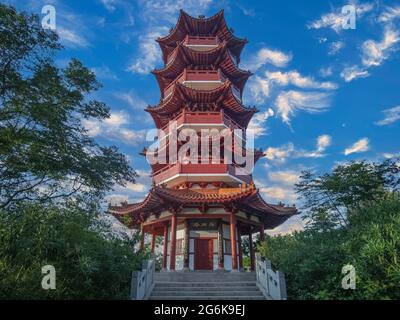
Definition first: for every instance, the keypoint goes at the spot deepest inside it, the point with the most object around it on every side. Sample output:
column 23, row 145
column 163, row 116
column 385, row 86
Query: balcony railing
column 206, row 118
column 173, row 170
column 201, row 43
column 197, row 79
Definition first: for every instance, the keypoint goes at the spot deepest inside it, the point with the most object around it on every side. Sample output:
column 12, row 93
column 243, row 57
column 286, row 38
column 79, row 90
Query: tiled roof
column 247, row 199
column 212, row 26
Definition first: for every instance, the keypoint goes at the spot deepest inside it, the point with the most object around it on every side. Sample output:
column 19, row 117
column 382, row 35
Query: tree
column 45, row 152
column 90, row 262
column 329, row 198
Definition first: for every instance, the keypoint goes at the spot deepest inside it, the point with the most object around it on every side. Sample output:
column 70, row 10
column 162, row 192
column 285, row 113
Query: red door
column 203, row 254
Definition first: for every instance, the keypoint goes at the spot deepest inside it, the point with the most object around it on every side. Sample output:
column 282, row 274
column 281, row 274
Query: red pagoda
column 202, row 210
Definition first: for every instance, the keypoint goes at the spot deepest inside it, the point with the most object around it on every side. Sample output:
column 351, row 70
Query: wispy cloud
column 389, row 116
column 334, row 19
column 390, row 14
column 258, row 122
column 298, row 80
column 71, row 38
column 335, row 47
column 361, row 145
column 323, row 142
column 373, row 54
column 267, row 56
column 113, row 129
column 353, row 72
column 288, row 177
column 289, row 102
column 279, row 154
column 110, row 5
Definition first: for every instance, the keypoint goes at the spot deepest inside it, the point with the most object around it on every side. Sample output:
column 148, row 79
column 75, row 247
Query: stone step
column 251, row 293
column 203, row 277
column 204, row 284
column 172, row 297
column 205, row 288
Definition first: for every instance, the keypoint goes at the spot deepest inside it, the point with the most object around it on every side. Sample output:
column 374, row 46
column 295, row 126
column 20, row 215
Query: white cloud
column 112, row 129
column 259, row 88
column 361, row 145
column 104, row 72
column 288, row 177
column 296, row 79
column 279, row 194
column 71, row 38
column 150, row 53
column 374, row 53
column 131, row 99
column 288, row 102
column 325, row 72
column 335, row 47
column 390, row 116
column 109, row 4
column 334, row 19
column 323, row 142
column 390, row 14
column 353, row 72
column 257, row 123
column 266, row 55
column 279, row 154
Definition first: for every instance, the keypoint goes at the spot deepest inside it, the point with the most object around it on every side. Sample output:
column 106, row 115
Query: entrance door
column 203, row 254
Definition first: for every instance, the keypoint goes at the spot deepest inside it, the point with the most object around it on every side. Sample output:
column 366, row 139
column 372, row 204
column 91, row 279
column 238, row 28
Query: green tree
column 45, row 152
column 90, row 262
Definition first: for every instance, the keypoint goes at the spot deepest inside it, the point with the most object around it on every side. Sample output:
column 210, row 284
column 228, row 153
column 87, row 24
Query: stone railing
column 143, row 281
column 271, row 283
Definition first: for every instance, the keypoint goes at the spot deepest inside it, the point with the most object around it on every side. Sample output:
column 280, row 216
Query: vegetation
column 352, row 217
column 53, row 175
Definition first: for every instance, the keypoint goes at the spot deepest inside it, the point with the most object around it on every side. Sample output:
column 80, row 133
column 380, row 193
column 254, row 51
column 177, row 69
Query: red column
column 173, row 242
column 153, row 242
column 262, row 235
column 233, row 242
column 240, row 249
column 165, row 249
column 251, row 249
column 220, row 246
column 187, row 243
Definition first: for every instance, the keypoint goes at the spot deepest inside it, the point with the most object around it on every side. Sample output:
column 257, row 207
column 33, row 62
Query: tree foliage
column 366, row 234
column 45, row 152
column 90, row 262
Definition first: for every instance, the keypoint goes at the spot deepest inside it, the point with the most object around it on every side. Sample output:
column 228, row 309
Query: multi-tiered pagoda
column 202, row 210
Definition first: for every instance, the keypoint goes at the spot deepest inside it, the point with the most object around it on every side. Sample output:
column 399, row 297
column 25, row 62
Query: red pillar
column 173, row 242
column 153, row 242
column 165, row 249
column 262, row 235
column 251, row 249
column 233, row 242
column 220, row 246
column 187, row 243
column 240, row 249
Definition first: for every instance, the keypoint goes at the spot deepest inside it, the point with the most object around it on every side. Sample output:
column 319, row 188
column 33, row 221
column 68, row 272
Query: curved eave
column 184, row 56
column 215, row 26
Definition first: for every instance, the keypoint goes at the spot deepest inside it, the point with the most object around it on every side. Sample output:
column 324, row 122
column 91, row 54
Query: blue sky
column 326, row 95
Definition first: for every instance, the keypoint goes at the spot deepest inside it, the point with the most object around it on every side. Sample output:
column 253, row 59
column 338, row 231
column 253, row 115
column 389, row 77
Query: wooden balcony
column 176, row 173
column 199, row 43
column 204, row 120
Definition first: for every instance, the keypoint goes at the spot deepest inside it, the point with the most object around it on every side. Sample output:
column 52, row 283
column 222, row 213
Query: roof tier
column 247, row 199
column 196, row 100
column 212, row 26
column 218, row 57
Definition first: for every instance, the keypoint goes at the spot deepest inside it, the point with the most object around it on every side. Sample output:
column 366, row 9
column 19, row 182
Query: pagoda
column 202, row 209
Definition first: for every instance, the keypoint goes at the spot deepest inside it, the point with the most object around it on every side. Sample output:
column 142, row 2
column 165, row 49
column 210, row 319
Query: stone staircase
column 202, row 285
